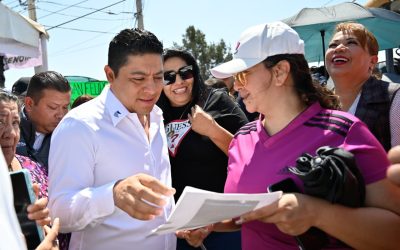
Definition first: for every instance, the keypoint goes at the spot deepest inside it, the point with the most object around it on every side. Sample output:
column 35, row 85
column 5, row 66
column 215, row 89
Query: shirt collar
column 114, row 107
column 117, row 110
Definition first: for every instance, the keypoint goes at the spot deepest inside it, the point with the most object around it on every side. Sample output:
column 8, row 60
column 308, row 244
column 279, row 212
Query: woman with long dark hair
column 200, row 123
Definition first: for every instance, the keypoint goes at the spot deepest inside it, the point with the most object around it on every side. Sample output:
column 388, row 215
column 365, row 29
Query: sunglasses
column 240, row 78
column 186, row 72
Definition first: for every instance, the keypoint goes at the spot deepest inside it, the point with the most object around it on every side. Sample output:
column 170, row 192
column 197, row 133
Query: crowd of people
column 109, row 170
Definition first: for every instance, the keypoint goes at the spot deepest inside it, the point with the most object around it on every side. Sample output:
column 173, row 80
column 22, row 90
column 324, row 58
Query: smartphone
column 23, row 197
column 314, row 238
column 286, row 185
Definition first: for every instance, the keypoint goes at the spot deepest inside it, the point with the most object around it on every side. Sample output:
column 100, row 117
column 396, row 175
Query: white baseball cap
column 257, row 43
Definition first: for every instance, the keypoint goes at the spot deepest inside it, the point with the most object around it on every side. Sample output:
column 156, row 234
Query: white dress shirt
column 95, row 145
column 39, row 137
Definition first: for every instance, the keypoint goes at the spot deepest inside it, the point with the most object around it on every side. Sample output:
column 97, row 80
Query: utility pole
column 139, row 14
column 43, row 41
column 32, row 10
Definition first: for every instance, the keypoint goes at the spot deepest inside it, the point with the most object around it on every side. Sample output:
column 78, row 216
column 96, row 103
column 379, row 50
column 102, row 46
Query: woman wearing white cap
column 273, row 78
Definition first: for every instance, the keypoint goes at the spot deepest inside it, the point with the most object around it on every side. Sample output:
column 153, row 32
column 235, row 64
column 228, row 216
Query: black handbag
column 331, row 175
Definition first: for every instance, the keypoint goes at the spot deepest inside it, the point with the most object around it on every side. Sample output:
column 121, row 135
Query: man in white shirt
column 109, row 174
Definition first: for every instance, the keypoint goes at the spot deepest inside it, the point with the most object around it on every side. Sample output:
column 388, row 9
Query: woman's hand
column 50, row 241
column 393, row 171
column 293, row 214
column 195, row 237
column 38, row 210
column 201, row 121
column 204, row 124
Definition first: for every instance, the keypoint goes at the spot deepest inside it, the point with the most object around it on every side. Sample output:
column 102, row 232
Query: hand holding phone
column 23, row 197
column 39, row 212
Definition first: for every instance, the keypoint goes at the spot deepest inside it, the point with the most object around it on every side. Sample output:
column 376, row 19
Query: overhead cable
column 85, row 15
column 56, row 12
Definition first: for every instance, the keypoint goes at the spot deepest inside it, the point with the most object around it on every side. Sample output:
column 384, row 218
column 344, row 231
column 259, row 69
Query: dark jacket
column 374, row 108
column 27, row 139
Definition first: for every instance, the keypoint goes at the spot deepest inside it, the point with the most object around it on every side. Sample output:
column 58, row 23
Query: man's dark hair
column 131, row 42
column 46, row 80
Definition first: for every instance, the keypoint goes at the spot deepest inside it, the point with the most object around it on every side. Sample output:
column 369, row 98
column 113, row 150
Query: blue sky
column 73, row 52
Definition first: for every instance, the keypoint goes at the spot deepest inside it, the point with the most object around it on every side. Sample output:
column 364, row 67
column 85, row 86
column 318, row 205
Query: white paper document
column 197, row 208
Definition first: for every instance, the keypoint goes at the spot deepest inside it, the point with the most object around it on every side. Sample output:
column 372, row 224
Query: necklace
column 180, row 118
column 184, row 110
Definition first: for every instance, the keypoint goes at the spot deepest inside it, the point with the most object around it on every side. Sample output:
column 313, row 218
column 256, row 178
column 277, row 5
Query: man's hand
column 141, row 196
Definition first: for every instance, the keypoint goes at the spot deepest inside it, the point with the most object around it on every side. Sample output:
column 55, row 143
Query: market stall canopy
column 19, row 35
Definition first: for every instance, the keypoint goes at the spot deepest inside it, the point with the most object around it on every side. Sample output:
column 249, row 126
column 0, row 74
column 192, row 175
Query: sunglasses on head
column 186, row 72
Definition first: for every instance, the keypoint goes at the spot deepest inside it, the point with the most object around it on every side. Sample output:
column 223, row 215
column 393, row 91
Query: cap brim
column 232, row 67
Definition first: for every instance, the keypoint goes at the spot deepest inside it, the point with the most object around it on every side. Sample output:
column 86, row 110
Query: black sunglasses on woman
column 186, row 72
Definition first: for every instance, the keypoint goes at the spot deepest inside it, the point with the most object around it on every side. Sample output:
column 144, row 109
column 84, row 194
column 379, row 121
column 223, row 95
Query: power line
column 10, row 2
column 55, row 12
column 85, row 15
column 78, row 50
column 89, row 18
column 18, row 5
column 86, row 8
column 73, row 46
column 93, row 31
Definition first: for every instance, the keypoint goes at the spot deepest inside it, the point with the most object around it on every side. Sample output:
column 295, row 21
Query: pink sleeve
column 370, row 156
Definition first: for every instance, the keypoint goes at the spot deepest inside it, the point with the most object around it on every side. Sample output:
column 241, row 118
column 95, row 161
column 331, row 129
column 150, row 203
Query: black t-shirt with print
column 195, row 160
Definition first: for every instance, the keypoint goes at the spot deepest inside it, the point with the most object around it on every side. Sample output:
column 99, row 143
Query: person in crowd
column 46, row 102
column 297, row 116
column 80, row 100
column 394, row 170
column 11, row 236
column 112, row 187
column 19, row 88
column 319, row 74
column 218, row 84
column 350, row 59
column 9, row 137
column 199, row 123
